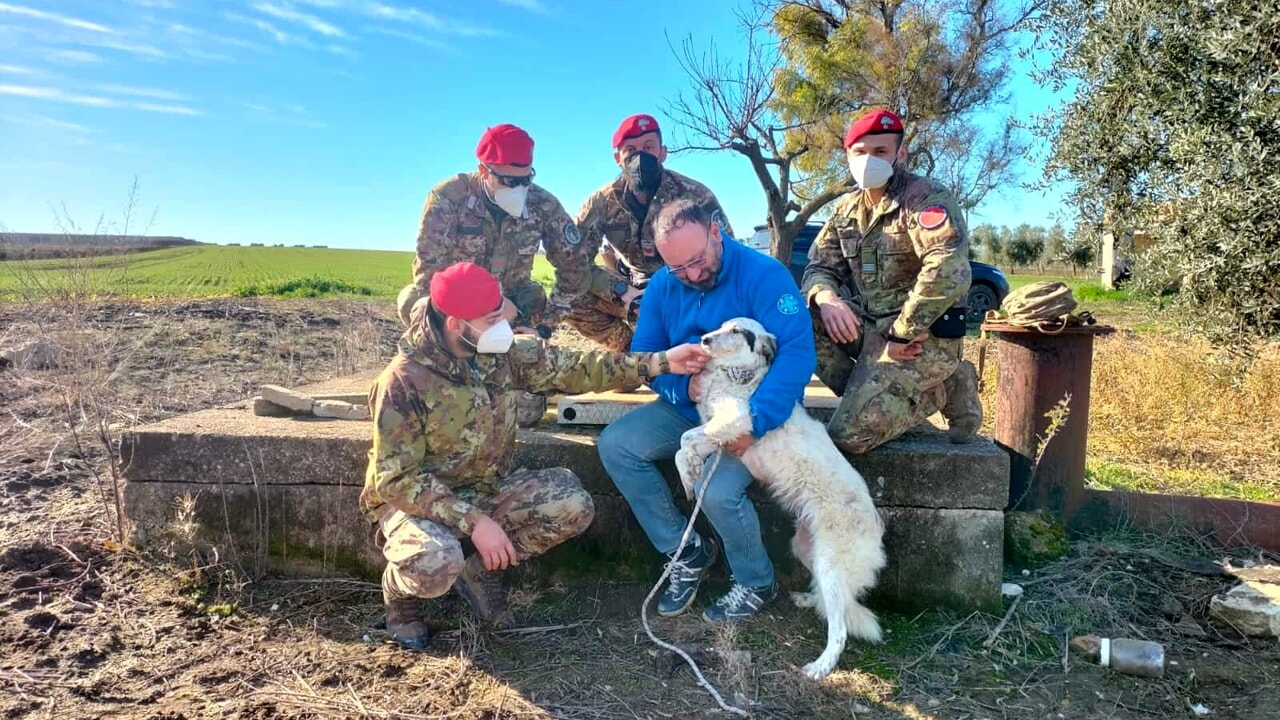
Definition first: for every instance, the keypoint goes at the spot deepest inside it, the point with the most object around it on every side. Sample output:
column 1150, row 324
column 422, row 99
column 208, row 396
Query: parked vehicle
column 986, row 292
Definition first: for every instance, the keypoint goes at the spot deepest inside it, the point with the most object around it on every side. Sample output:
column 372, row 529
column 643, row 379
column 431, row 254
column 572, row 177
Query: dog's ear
column 766, row 346
column 750, row 337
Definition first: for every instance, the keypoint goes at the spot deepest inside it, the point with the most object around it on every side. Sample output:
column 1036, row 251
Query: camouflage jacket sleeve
column 563, row 242
column 941, row 241
column 543, row 367
column 827, row 268
column 399, row 448
column 436, row 235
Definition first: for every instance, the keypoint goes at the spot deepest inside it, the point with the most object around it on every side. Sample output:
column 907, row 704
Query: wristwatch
column 895, row 339
column 664, row 366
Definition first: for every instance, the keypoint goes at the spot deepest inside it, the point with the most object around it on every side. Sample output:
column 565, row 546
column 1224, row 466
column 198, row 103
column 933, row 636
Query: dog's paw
column 818, row 670
column 804, row 599
column 688, row 472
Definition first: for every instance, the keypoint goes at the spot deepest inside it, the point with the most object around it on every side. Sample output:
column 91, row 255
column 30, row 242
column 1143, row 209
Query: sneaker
column 405, row 625
column 686, row 574
column 483, row 591
column 963, row 408
column 739, row 603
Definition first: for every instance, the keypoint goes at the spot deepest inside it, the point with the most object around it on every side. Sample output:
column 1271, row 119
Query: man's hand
column 493, row 545
column 509, row 311
column 687, row 359
column 695, row 387
column 908, row 352
column 838, row 318
column 739, row 445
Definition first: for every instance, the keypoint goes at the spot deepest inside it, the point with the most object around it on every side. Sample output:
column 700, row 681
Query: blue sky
column 326, row 121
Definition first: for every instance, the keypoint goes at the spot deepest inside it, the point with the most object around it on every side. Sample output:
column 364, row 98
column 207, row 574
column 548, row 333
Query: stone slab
column 231, row 445
column 937, row 557
column 1252, row 608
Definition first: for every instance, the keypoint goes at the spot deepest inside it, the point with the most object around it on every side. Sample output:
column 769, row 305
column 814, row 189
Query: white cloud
column 34, row 120
column 411, row 37
column 139, row 49
column 56, row 95
column 63, row 20
column 311, row 22
column 142, row 92
column 280, row 36
column 343, row 51
column 162, row 4
column 167, row 109
column 18, row 70
column 530, row 5
column 73, row 57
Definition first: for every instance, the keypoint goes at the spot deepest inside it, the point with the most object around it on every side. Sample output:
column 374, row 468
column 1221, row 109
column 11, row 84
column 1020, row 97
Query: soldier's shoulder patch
column 932, row 217
column 788, row 304
column 571, row 234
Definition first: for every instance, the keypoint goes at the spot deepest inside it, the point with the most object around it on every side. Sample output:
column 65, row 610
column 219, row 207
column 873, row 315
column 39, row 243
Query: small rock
column 1189, row 628
column 1171, row 608
column 284, row 397
column 1010, row 590
column 1200, row 709
column 1253, row 608
column 1033, row 539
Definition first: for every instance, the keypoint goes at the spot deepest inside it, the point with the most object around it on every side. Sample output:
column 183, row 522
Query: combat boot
column 405, row 625
column 483, row 591
column 963, row 408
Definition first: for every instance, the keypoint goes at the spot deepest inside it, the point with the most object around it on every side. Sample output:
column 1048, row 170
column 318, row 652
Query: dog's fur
column 838, row 530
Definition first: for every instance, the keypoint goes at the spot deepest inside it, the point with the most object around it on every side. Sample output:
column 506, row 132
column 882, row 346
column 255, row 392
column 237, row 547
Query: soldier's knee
column 573, row 508
column 431, row 572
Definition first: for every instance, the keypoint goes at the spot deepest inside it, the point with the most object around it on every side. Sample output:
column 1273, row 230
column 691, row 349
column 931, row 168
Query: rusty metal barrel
column 1037, row 371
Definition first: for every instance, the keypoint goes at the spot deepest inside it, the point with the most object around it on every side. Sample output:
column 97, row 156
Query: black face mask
column 642, row 173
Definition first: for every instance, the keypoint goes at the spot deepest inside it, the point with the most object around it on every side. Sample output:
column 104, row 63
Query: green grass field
column 215, row 270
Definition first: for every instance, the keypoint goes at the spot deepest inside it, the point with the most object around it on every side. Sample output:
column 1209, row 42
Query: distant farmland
column 216, row 270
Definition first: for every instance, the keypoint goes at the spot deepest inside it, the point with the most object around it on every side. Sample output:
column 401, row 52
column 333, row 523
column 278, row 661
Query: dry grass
column 1169, row 414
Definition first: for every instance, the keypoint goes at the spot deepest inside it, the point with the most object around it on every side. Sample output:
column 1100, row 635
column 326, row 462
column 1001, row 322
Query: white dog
column 838, row 530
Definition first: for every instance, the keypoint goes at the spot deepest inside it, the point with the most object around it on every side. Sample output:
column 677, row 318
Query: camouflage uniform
column 444, row 439
column 629, row 251
column 900, row 275
column 458, row 223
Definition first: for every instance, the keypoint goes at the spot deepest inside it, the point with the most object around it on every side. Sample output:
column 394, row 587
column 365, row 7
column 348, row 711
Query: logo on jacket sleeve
column 788, row 304
column 932, row 217
column 571, row 235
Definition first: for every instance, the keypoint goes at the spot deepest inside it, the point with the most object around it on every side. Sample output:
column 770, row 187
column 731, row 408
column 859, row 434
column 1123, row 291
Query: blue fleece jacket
column 751, row 284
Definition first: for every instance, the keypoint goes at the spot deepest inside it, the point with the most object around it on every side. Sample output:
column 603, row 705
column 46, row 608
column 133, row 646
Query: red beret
column 466, row 291
column 505, row 145
column 634, row 126
column 873, row 123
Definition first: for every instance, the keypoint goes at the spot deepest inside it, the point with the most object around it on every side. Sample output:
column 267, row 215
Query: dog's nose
column 706, row 341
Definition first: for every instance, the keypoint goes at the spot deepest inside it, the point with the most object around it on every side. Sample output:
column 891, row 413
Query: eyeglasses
column 694, row 263
column 512, row 180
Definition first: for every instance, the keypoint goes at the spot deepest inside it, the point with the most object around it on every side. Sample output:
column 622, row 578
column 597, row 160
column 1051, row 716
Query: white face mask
column 511, row 200
column 870, row 172
column 496, row 340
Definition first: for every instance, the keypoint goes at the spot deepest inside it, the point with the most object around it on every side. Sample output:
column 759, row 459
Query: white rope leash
column 644, row 609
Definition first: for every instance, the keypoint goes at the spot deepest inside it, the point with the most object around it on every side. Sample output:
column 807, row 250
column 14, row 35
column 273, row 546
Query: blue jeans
column 629, row 448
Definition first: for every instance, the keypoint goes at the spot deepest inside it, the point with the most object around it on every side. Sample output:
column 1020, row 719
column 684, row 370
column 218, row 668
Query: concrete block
column 284, row 397
column 1252, row 608
column 263, row 407
column 340, row 410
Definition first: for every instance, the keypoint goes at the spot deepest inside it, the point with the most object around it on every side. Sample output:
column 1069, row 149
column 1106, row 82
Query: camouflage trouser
column 880, row 398
column 538, row 509
column 530, row 301
column 602, row 320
